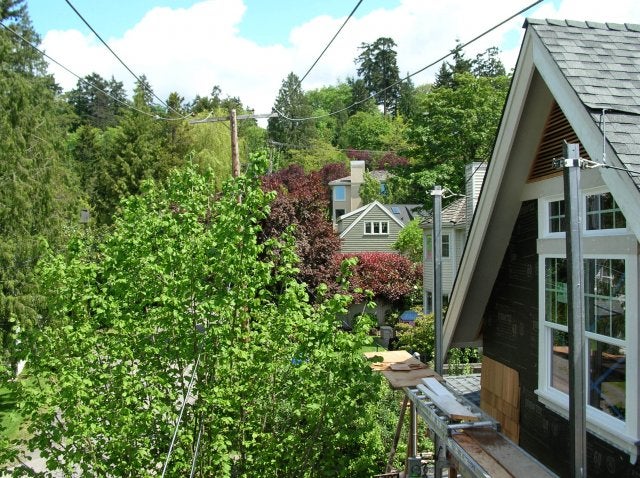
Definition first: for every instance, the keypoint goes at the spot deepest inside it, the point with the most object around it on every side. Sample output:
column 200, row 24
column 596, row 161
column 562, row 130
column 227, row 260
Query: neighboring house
column 510, row 292
column 345, row 192
column 374, row 227
column 454, row 235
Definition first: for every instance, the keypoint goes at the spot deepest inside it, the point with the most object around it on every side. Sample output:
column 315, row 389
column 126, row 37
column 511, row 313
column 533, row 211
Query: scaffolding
column 470, row 441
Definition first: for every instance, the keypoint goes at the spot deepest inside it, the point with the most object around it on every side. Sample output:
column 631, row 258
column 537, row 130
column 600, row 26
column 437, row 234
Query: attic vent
column 555, row 132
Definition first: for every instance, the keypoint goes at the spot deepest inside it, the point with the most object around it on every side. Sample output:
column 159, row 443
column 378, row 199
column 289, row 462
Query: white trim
column 363, row 211
column 624, row 435
column 372, row 223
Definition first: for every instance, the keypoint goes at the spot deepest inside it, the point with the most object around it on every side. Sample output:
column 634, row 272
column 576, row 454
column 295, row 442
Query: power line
column 87, row 82
column 331, row 41
column 140, row 82
column 433, row 63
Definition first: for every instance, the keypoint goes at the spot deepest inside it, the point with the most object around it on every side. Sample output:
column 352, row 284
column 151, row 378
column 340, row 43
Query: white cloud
column 191, row 50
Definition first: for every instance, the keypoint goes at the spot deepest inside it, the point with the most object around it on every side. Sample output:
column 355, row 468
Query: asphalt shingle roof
column 601, row 62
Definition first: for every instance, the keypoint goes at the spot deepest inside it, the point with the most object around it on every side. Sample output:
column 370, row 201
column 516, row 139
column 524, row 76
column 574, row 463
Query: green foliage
column 39, row 194
column 372, row 131
column 370, row 190
column 180, row 288
column 460, row 360
column 293, row 104
column 409, row 242
column 419, row 337
column 378, row 69
column 315, row 157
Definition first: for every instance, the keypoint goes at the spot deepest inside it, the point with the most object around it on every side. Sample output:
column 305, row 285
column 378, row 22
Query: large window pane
column 605, row 297
column 556, row 290
column 607, row 378
column 560, row 360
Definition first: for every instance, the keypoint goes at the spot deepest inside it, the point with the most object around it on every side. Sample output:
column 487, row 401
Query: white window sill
column 605, row 427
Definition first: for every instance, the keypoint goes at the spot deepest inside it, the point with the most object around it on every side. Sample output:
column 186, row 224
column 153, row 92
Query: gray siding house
column 374, row 227
column 455, row 227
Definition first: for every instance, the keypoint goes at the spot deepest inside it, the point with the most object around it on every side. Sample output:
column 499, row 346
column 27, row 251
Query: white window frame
column 543, row 216
column 372, row 227
column 448, row 243
column 598, row 244
column 340, row 197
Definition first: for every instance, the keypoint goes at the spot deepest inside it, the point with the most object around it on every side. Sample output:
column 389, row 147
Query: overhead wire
column 430, row 65
column 87, row 82
column 140, row 82
column 331, row 41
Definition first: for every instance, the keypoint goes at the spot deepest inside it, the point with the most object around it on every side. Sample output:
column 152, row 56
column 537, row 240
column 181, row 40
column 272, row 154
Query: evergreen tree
column 291, row 105
column 38, row 189
column 96, row 101
column 378, row 69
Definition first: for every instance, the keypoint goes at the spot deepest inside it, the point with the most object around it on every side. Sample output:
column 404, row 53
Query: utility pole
column 576, row 320
column 235, row 155
column 436, row 193
column 233, row 119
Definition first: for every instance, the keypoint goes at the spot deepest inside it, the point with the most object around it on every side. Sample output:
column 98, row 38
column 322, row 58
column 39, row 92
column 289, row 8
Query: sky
column 248, row 47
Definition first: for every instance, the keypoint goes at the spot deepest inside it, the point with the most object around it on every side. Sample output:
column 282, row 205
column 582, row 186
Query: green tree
column 291, row 105
column 378, row 68
column 96, row 101
column 181, row 305
column 39, row 197
column 458, row 126
column 409, row 242
column 373, row 131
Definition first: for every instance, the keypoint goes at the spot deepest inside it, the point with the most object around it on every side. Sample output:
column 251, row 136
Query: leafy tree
column 371, row 190
column 182, row 321
column 39, row 197
column 488, row 64
column 302, row 206
column 315, row 156
column 373, row 131
column 378, row 69
column 390, row 276
column 459, row 126
column 419, row 337
column 291, row 104
column 409, row 242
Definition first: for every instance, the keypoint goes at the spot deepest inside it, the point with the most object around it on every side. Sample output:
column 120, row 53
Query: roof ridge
column 587, row 24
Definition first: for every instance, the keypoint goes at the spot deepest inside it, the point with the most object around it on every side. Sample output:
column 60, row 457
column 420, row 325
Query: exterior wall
column 344, row 205
column 510, row 336
column 357, row 241
column 449, row 264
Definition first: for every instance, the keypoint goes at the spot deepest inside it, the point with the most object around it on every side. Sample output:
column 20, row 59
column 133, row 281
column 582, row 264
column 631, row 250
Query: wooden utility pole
column 235, row 155
column 233, row 119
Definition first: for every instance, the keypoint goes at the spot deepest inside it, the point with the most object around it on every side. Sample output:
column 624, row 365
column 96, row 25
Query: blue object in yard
column 408, row 316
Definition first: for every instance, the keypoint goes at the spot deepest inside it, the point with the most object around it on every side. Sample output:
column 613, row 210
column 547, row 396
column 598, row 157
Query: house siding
column 511, row 337
column 356, row 241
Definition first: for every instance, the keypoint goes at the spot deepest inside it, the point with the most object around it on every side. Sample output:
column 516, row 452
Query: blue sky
column 265, row 21
column 247, row 47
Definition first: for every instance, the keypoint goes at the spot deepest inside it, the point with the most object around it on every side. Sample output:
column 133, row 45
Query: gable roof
column 585, row 67
column 362, row 212
column 455, row 214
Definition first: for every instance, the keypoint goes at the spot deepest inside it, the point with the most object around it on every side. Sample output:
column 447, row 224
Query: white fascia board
column 363, row 211
column 487, row 201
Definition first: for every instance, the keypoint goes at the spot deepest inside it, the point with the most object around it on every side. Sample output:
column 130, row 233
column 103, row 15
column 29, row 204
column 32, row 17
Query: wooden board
column 411, row 375
column 486, row 461
column 510, row 456
column 448, row 404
